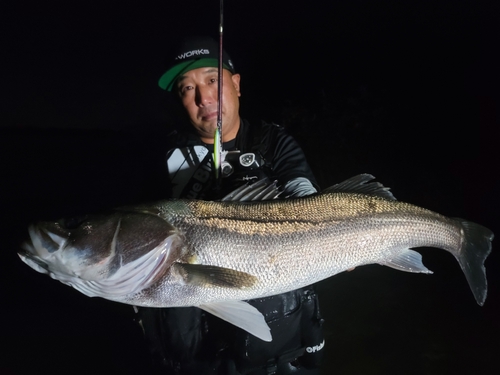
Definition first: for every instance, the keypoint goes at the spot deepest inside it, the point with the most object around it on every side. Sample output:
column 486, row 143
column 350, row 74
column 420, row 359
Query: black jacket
column 277, row 156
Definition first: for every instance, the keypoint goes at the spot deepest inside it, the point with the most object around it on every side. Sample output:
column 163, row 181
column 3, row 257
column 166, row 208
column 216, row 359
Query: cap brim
column 168, row 79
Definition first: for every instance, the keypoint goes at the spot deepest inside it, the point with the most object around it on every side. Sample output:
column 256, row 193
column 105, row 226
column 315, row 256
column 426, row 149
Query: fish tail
column 476, row 247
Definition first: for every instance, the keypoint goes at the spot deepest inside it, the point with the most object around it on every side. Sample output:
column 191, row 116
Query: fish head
column 95, row 247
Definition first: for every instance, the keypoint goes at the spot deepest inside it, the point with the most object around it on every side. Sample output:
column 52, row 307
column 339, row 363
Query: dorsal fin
column 261, row 190
column 360, row 184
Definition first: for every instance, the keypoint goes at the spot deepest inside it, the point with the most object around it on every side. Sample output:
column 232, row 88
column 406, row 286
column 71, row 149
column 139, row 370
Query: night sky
column 404, row 90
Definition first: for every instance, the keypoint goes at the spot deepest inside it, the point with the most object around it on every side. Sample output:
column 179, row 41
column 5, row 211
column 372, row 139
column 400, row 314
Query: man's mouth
column 209, row 116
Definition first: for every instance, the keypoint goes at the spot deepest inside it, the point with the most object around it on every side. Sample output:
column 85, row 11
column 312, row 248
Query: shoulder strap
column 263, row 137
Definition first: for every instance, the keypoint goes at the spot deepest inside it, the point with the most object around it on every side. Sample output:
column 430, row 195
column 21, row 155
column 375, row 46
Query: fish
column 217, row 254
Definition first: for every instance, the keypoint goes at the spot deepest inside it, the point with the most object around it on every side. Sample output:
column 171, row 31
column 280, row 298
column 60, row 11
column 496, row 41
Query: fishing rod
column 218, row 145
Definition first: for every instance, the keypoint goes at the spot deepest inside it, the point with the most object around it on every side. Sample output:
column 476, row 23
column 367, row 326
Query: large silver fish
column 215, row 255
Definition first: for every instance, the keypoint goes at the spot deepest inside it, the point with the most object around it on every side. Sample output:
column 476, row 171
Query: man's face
column 198, row 90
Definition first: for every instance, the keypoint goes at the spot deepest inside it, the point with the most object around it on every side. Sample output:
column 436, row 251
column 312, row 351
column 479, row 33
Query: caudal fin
column 474, row 251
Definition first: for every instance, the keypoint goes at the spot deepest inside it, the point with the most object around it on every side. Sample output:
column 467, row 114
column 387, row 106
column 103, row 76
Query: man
column 187, row 340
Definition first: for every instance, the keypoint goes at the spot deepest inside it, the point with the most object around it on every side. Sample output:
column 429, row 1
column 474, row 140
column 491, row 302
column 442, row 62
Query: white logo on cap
column 185, row 55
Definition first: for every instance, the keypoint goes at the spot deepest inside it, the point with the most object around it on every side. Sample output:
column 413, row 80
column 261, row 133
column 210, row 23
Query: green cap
column 193, row 53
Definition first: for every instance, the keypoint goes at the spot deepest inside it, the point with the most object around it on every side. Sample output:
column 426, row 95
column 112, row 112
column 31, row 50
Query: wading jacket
column 189, row 341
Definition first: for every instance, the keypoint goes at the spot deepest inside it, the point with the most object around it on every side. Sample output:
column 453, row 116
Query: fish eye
column 73, row 222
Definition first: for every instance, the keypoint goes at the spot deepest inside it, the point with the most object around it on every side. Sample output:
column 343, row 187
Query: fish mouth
column 34, row 262
column 43, row 241
column 41, row 245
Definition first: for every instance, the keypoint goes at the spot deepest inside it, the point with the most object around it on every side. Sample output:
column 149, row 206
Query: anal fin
column 407, row 260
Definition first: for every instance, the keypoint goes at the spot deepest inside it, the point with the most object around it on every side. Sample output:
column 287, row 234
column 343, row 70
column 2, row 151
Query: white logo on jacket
column 315, row 348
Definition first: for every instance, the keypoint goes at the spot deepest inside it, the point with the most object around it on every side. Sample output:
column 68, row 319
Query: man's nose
column 205, row 95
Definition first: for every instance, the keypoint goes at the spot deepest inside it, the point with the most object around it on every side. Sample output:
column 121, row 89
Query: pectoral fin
column 408, row 260
column 242, row 315
column 202, row 275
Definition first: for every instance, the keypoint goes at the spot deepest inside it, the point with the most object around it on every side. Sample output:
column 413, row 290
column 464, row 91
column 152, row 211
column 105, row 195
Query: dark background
column 404, row 90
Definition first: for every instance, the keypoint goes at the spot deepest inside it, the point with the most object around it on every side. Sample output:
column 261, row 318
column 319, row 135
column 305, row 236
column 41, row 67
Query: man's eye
column 213, row 80
column 185, row 89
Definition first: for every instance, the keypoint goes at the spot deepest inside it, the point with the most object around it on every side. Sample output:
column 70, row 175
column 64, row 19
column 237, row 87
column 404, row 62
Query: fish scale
column 248, row 245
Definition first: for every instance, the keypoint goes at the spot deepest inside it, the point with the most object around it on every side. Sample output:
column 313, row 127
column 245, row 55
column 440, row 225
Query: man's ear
column 236, row 83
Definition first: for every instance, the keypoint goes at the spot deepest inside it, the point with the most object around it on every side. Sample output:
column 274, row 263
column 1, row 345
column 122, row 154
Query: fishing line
column 218, row 132
column 221, row 33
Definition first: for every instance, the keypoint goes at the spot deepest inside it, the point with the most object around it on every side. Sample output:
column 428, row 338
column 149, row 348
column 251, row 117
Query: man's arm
column 290, row 167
